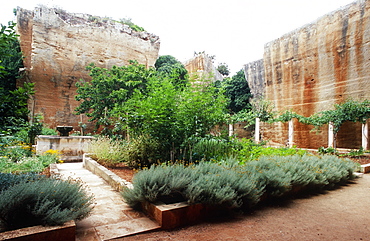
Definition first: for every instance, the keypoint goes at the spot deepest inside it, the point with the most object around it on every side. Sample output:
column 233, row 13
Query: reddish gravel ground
column 339, row 214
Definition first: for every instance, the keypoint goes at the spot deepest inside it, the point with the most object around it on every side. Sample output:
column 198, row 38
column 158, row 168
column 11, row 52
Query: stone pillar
column 257, row 131
column 331, row 135
column 291, row 133
column 365, row 135
column 231, row 129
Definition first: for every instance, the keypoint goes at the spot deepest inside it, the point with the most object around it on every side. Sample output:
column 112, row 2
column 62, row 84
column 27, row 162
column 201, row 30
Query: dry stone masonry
column 58, row 46
column 314, row 67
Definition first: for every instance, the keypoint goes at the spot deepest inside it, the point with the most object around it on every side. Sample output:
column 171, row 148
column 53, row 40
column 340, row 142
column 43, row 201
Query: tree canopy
column 149, row 105
column 169, row 66
column 13, row 99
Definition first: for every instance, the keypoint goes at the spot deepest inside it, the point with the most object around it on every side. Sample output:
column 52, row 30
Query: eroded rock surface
column 58, row 46
column 314, row 67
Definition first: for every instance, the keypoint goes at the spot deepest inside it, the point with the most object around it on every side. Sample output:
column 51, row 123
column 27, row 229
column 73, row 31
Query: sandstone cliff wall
column 316, row 66
column 58, row 46
column 255, row 76
column 201, row 66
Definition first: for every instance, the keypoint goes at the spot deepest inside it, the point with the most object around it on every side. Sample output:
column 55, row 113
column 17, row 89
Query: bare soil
column 338, row 214
column 123, row 171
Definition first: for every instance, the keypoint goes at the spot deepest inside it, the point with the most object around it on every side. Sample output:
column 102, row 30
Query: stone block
column 365, row 168
column 175, row 215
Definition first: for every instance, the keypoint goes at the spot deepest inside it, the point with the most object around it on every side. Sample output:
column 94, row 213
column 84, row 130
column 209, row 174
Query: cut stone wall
column 255, row 76
column 201, row 66
column 58, row 46
column 314, row 67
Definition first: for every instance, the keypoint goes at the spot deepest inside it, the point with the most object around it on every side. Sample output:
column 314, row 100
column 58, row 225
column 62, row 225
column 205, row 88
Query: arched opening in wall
column 349, row 135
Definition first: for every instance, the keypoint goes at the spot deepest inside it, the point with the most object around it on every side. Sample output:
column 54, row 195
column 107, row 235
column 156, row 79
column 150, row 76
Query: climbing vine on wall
column 350, row 110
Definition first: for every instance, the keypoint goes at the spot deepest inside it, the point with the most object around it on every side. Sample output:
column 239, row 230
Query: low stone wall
column 112, row 179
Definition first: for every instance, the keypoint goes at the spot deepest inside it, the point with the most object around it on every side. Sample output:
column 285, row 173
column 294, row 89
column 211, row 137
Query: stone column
column 291, row 133
column 257, row 131
column 231, row 129
column 331, row 135
column 365, row 135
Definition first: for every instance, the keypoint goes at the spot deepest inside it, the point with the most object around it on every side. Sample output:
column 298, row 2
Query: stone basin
column 64, row 130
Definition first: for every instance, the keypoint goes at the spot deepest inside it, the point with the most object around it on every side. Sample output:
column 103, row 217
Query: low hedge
column 235, row 186
column 29, row 200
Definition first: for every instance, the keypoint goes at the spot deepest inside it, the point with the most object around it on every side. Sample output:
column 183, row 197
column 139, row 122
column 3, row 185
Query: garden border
column 66, row 232
column 111, row 178
column 168, row 216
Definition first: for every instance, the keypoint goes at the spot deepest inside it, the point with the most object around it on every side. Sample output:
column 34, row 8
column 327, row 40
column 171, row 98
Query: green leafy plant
column 43, row 202
column 329, row 150
column 107, row 151
column 358, row 152
column 128, row 21
column 13, row 97
column 109, row 87
column 35, row 164
column 238, row 93
column 211, row 148
column 142, row 151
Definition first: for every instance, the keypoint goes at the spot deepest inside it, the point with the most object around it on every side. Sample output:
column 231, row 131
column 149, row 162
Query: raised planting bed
column 168, row 216
column 176, row 215
column 38, row 233
column 112, row 179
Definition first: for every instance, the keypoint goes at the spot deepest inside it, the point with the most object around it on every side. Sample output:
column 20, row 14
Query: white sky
column 235, row 31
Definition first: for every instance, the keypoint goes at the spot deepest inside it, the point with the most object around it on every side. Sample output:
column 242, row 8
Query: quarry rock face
column 314, row 67
column 255, row 76
column 58, row 46
column 201, row 66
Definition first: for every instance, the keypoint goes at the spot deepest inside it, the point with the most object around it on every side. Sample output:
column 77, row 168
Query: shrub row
column 143, row 151
column 31, row 200
column 233, row 185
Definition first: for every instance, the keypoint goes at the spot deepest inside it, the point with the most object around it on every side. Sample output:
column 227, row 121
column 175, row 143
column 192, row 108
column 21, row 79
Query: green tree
column 169, row 66
column 164, row 60
column 238, row 92
column 171, row 115
column 223, row 69
column 13, row 99
column 109, row 87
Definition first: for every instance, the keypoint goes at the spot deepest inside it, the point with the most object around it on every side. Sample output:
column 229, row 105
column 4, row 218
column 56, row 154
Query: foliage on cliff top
column 128, row 21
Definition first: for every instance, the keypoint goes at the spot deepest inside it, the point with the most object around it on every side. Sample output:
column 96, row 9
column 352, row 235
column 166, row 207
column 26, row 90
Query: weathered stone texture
column 57, row 48
column 255, row 76
column 201, row 66
column 314, row 67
